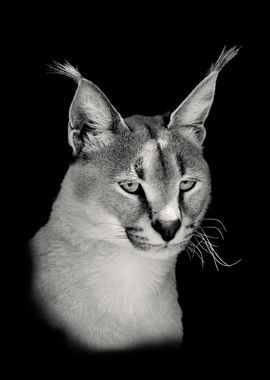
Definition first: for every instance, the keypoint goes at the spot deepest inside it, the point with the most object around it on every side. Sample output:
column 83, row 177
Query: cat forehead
column 156, row 163
column 148, row 147
column 149, row 125
column 156, row 137
column 157, row 146
column 153, row 130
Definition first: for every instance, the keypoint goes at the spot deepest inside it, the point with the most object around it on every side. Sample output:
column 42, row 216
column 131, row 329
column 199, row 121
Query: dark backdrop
column 146, row 66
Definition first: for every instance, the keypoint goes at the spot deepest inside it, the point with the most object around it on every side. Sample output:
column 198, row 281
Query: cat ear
column 92, row 118
column 190, row 116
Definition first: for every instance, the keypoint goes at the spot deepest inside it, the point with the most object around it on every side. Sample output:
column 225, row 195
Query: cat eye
column 187, row 185
column 131, row 187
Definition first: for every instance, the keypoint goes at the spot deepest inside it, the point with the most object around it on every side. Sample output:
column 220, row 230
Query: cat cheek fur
column 127, row 211
column 83, row 186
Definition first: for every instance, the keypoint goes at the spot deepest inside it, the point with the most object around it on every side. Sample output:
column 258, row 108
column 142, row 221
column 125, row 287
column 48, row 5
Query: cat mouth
column 180, row 245
column 142, row 243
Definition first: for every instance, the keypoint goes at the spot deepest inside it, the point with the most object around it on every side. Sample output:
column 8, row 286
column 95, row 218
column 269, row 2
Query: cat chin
column 161, row 253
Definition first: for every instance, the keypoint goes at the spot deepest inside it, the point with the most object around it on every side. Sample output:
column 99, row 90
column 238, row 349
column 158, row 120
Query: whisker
column 111, row 224
column 193, row 252
column 198, row 234
column 218, row 259
column 116, row 240
column 207, row 242
column 199, row 254
column 205, row 237
column 201, row 244
column 208, row 247
column 217, row 220
column 188, row 252
column 209, row 250
column 209, row 236
column 212, row 227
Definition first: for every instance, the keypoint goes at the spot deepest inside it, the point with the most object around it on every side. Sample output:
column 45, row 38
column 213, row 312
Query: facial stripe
column 181, row 164
column 162, row 159
column 145, row 204
column 159, row 143
column 150, row 130
column 138, row 166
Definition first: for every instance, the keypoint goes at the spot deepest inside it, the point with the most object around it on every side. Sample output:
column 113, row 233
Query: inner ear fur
column 92, row 118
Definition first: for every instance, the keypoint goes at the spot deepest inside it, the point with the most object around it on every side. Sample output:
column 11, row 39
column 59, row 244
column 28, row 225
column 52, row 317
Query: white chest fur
column 106, row 298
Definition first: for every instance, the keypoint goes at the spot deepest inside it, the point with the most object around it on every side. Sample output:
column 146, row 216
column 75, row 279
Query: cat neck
column 119, row 278
column 117, row 274
column 124, row 279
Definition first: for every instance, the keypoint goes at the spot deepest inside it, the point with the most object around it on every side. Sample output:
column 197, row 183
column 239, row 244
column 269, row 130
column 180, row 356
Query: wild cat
column 135, row 192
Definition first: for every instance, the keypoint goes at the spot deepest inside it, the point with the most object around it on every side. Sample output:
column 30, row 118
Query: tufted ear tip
column 92, row 118
column 190, row 116
column 224, row 58
column 65, row 69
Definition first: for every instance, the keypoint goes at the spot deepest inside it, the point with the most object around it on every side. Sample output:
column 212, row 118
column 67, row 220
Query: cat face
column 150, row 181
column 143, row 179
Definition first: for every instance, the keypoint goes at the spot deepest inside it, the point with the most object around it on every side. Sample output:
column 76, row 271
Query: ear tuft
column 224, row 58
column 92, row 118
column 190, row 116
column 65, row 69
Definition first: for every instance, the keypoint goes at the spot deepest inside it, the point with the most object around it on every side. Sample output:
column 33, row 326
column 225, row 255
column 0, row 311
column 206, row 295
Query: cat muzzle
column 167, row 229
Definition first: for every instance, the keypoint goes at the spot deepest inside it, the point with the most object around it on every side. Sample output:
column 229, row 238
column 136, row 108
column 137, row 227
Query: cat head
column 143, row 179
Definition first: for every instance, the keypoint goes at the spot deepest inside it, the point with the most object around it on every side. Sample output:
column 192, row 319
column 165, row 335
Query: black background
column 146, row 63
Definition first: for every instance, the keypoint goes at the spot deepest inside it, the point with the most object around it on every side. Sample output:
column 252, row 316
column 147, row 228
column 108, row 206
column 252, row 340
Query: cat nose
column 167, row 229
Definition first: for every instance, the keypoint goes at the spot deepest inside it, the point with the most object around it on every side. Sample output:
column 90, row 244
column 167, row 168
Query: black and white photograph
column 135, row 170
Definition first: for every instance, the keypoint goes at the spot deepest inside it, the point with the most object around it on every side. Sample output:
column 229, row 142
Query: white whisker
column 209, row 236
column 212, row 227
column 110, row 224
column 217, row 220
column 203, row 235
column 188, row 252
column 204, row 244
column 199, row 254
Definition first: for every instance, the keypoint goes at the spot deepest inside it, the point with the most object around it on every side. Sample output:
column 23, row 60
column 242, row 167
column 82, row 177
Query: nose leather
column 167, row 229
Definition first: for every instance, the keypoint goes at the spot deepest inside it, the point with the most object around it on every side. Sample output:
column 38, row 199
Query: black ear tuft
column 224, row 58
column 65, row 69
column 92, row 118
column 190, row 116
